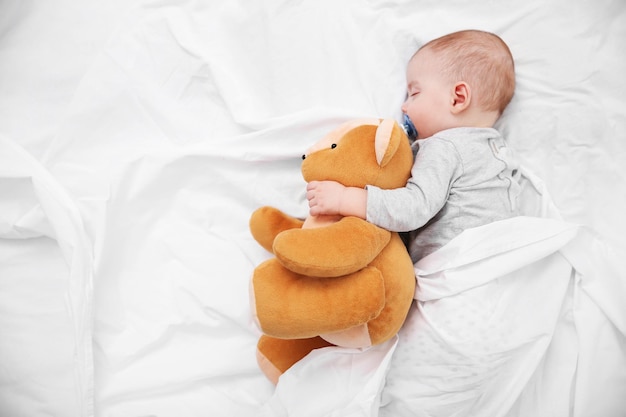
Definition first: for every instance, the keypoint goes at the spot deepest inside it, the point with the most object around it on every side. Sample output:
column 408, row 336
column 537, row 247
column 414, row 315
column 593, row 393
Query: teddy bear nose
column 303, row 157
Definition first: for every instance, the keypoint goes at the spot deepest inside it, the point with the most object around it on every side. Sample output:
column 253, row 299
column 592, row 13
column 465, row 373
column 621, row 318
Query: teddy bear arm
column 267, row 222
column 339, row 249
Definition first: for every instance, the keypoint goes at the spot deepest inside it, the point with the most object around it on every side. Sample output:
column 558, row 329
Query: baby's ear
column 388, row 137
column 461, row 97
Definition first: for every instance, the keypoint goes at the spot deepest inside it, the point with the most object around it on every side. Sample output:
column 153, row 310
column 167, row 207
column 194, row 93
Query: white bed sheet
column 137, row 137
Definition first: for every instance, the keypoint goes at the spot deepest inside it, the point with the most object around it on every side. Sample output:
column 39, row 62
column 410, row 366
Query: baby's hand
column 324, row 197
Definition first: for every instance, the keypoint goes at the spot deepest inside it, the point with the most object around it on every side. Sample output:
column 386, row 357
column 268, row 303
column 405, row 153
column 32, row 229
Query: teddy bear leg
column 289, row 305
column 267, row 222
column 275, row 356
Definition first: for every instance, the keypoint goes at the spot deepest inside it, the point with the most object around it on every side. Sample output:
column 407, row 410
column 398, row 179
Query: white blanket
column 501, row 333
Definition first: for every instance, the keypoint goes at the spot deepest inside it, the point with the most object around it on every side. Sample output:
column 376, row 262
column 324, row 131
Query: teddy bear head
column 359, row 153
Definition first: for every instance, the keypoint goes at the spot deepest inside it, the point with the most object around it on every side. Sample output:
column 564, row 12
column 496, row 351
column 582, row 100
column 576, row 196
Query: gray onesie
column 461, row 178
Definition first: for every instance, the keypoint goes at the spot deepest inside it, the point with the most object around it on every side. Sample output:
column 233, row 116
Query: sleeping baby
column 464, row 175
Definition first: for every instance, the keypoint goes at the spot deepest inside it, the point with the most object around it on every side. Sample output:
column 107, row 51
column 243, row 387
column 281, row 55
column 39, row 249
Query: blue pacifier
column 409, row 127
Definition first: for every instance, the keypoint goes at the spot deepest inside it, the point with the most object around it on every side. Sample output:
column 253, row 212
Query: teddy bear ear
column 387, row 140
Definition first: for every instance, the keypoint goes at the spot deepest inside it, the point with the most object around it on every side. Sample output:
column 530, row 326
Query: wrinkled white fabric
column 46, row 271
column 140, row 135
column 333, row 382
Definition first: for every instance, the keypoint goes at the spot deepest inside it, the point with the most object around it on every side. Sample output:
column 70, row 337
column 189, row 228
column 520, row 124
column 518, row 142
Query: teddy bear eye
column 333, row 146
column 303, row 157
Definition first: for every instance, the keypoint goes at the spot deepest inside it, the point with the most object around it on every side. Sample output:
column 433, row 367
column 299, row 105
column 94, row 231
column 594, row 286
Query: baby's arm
column 401, row 209
column 330, row 197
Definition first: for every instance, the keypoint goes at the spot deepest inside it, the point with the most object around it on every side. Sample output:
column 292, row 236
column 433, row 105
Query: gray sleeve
column 437, row 165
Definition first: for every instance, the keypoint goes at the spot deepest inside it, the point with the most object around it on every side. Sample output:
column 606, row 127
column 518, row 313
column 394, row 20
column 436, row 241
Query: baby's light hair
column 483, row 60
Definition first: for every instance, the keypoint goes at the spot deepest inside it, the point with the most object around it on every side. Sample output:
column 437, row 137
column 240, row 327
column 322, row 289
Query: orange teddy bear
column 334, row 280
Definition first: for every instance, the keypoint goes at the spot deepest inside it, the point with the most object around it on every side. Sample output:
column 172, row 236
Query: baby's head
column 469, row 66
column 480, row 58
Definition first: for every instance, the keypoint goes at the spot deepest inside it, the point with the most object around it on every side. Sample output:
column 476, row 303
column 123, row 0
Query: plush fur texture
column 334, row 280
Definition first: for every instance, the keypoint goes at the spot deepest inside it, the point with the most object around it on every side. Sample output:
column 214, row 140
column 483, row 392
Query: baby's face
column 429, row 95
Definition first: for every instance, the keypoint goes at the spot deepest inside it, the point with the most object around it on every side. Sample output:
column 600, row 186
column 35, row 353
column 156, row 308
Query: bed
column 137, row 137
